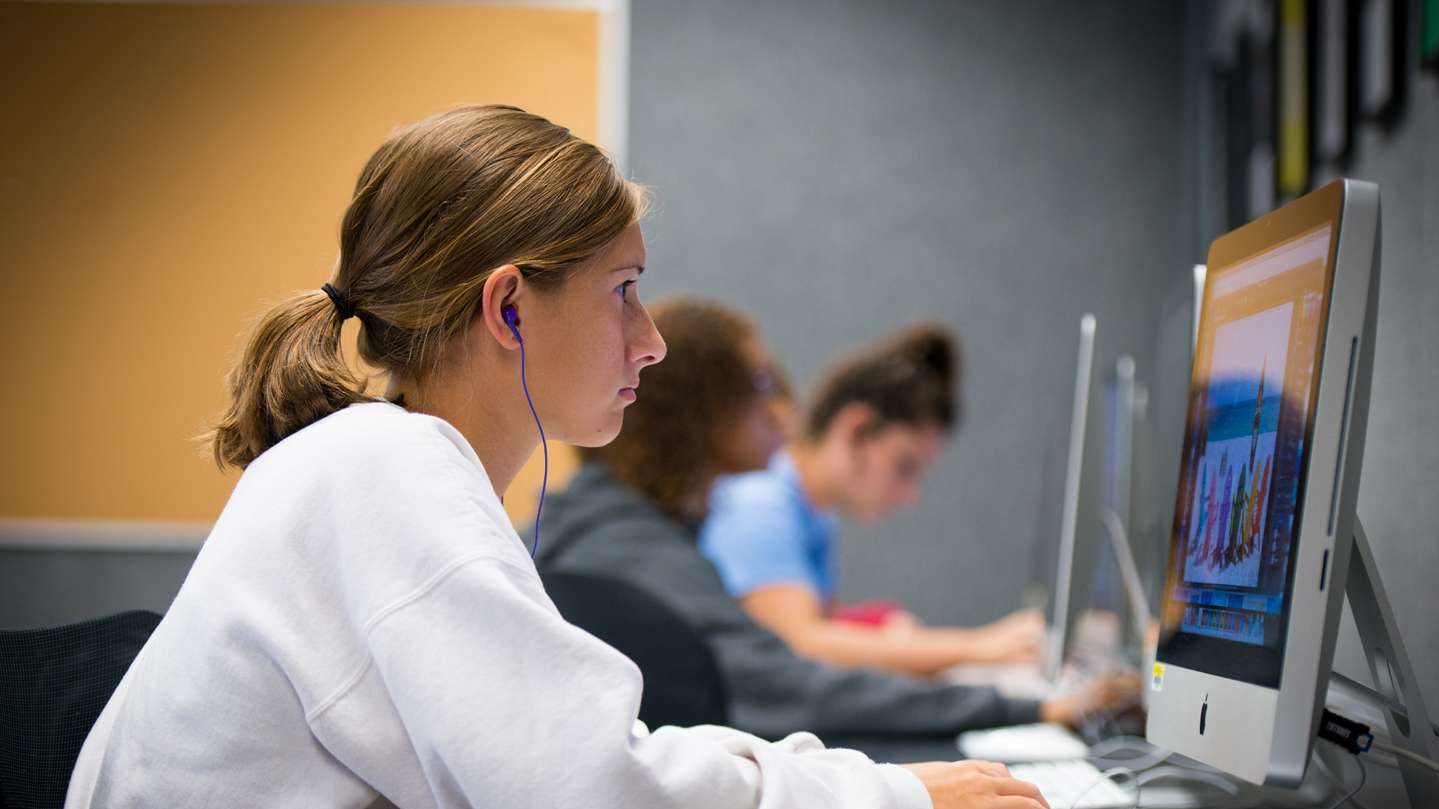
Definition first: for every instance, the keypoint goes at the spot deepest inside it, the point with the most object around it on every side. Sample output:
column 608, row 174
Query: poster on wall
column 1293, row 139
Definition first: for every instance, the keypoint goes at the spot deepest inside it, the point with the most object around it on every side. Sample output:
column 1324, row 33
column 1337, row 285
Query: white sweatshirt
column 364, row 621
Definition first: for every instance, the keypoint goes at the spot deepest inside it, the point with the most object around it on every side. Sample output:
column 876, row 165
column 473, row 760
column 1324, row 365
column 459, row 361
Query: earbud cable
column 544, row 448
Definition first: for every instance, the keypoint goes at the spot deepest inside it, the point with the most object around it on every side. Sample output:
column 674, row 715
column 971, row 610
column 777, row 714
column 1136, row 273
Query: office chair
column 53, row 684
column 683, row 684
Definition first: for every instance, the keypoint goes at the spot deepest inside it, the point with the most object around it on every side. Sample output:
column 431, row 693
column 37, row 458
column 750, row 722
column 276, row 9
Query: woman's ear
column 500, row 306
column 853, row 423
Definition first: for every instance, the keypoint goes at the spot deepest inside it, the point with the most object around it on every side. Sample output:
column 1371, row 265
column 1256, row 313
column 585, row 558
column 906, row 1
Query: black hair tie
column 338, row 299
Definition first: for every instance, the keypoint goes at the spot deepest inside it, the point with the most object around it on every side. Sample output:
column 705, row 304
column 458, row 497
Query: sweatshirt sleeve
column 503, row 703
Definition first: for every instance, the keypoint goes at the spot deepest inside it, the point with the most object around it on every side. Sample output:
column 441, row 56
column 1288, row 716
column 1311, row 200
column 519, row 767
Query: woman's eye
column 624, row 289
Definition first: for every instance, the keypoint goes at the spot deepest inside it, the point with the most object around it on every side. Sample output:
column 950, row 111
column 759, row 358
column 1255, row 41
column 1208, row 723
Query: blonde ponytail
column 291, row 374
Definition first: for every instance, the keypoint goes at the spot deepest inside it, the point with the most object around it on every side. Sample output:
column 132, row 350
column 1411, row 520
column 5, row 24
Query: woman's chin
column 599, row 434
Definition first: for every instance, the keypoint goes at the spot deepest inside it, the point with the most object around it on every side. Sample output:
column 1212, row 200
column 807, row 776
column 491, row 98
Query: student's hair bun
column 911, row 377
column 930, row 349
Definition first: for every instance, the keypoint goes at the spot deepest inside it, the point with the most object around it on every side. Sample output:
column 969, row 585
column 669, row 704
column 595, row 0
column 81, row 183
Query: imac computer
column 1200, row 272
column 1070, row 545
column 1077, row 504
column 1097, row 458
column 1264, row 524
column 1097, row 583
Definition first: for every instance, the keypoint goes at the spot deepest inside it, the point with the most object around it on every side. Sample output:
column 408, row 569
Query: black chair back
column 683, row 684
column 53, row 684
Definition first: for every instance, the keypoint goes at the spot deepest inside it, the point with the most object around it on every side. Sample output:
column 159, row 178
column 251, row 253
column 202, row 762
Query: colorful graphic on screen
column 1236, row 458
column 1245, row 444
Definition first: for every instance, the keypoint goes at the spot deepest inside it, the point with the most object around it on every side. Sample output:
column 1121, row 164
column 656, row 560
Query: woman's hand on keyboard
column 975, row 785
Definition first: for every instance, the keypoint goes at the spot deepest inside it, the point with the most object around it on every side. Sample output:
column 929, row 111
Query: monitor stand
column 1396, row 690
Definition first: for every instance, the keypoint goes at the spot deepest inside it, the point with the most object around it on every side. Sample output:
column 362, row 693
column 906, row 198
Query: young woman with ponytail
column 363, row 625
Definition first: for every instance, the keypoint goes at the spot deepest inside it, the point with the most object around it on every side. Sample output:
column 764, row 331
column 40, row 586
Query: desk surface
column 914, row 749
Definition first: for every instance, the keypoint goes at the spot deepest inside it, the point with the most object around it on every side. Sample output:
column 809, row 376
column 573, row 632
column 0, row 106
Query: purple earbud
column 512, row 319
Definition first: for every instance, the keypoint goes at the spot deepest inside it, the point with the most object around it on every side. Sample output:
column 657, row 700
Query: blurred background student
column 633, row 512
column 878, row 422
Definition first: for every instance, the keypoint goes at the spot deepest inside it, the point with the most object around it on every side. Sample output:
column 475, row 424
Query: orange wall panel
column 170, row 169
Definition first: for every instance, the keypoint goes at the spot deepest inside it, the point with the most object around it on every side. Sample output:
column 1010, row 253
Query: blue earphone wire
column 544, row 447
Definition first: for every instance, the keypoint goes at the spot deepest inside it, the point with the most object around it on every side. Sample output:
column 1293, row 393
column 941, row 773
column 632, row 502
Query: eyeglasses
column 768, row 383
column 762, row 381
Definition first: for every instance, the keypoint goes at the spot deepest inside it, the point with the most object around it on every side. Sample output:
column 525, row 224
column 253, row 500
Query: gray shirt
column 600, row 526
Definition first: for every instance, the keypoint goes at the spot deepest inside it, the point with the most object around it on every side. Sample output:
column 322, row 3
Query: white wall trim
column 613, row 93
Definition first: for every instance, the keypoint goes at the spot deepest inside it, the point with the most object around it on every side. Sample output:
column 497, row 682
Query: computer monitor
column 1115, row 585
column 1083, row 557
column 1160, row 436
column 1269, row 475
column 1201, row 271
column 1079, row 524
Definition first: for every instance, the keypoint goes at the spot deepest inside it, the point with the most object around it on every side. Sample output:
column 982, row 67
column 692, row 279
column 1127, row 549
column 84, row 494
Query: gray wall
column 839, row 168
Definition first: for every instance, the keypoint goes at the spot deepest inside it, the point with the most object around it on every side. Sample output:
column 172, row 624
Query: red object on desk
column 874, row 612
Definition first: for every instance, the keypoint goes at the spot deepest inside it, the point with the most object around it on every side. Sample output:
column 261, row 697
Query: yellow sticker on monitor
column 1157, row 681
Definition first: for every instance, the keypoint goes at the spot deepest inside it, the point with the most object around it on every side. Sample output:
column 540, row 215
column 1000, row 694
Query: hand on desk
column 1015, row 638
column 881, row 635
column 1111, row 693
column 1020, row 635
column 975, row 785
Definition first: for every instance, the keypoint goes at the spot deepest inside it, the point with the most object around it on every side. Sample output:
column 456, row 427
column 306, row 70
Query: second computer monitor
column 1269, row 474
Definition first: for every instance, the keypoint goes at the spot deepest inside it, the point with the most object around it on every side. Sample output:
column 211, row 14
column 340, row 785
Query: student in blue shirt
column 877, row 424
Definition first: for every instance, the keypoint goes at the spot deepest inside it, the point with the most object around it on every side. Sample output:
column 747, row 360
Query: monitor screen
column 1243, row 463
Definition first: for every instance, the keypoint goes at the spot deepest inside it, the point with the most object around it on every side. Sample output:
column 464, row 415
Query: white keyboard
column 1073, row 785
column 1022, row 743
